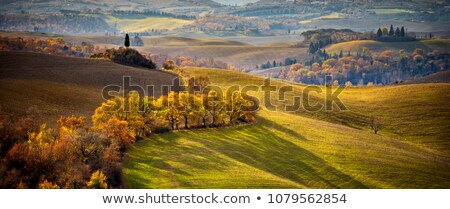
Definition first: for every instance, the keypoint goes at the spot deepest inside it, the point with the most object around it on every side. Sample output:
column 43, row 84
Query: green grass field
column 307, row 150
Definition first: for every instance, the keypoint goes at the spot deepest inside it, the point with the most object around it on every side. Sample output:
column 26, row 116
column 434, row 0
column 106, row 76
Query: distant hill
column 63, row 85
column 376, row 46
column 47, row 6
column 440, row 77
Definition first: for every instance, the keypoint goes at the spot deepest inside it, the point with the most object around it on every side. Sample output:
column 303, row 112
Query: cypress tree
column 127, row 40
column 402, row 32
column 391, row 31
column 379, row 33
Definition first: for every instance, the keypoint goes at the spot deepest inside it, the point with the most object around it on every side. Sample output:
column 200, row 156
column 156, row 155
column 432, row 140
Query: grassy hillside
column 439, row 77
column 376, row 46
column 64, row 85
column 140, row 24
column 406, row 109
column 241, row 56
column 314, row 150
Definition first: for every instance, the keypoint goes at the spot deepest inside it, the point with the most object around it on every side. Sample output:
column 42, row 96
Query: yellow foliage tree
column 43, row 138
column 119, row 133
column 68, row 125
column 48, row 185
column 98, row 181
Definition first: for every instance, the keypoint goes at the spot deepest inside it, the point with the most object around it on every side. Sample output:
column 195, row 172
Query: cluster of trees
column 185, row 61
column 75, row 156
column 211, row 108
column 320, row 38
column 54, row 23
column 80, row 156
column 367, row 67
column 56, row 46
column 126, row 56
column 212, row 23
column 399, row 34
column 152, row 13
column 287, row 62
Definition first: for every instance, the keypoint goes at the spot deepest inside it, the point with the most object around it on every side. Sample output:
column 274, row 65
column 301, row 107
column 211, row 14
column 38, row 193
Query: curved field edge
column 304, row 150
column 282, row 151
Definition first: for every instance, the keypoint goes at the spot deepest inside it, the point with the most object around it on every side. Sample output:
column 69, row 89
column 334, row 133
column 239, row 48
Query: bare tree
column 376, row 124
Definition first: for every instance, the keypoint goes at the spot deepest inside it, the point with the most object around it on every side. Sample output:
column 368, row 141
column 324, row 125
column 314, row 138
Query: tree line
column 78, row 155
column 152, row 13
column 56, row 46
column 367, row 67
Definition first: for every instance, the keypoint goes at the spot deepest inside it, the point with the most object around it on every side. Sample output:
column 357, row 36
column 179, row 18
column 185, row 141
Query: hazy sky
column 234, row 2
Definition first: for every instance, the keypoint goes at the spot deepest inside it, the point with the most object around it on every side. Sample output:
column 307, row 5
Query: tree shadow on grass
column 254, row 145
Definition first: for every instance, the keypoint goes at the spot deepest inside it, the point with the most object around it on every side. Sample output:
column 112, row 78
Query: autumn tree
column 98, row 181
column 119, row 133
column 169, row 65
column 68, row 125
column 168, row 108
column 133, row 109
column 48, row 185
column 385, row 31
column 233, row 105
column 215, row 106
column 187, row 107
column 376, row 124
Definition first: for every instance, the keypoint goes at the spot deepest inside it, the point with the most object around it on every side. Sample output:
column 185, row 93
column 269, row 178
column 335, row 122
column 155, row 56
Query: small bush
column 160, row 129
column 126, row 56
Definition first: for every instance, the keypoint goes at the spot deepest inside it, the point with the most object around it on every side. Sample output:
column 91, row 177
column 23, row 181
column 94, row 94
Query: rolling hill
column 323, row 149
column 376, row 46
column 307, row 149
column 64, row 85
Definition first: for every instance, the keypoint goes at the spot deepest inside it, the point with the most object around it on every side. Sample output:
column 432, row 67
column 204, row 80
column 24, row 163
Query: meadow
column 300, row 149
column 146, row 24
column 307, row 150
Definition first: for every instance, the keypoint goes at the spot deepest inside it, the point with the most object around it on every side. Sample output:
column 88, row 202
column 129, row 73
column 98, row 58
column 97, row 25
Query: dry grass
column 64, row 85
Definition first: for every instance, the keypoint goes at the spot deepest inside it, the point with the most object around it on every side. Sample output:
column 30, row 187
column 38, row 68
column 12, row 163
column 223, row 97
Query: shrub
column 160, row 129
column 126, row 56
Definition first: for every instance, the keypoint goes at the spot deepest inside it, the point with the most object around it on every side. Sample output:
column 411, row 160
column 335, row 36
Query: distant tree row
column 56, row 46
column 366, row 67
column 152, row 13
column 54, row 23
column 398, row 34
column 287, row 62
